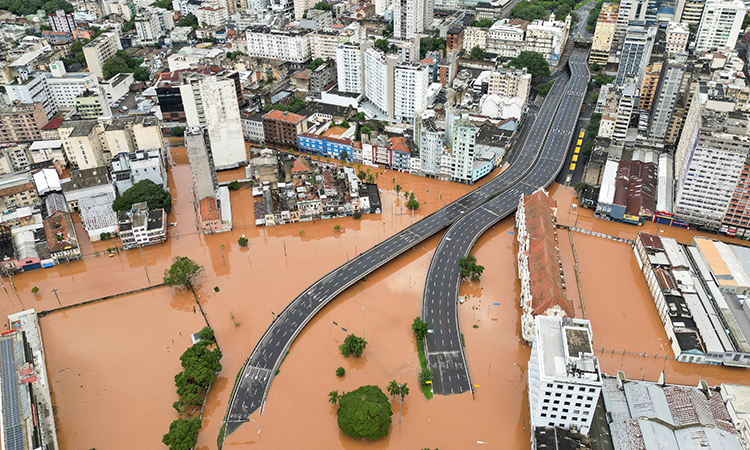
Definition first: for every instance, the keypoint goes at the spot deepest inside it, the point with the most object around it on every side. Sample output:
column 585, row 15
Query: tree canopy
column 183, row 272
column 477, row 53
column 365, row 413
column 296, row 106
column 315, row 63
column 526, row 10
column 144, row 191
column 534, row 63
column 28, row 7
column 322, row 6
column 353, row 345
column 188, row 21
column 429, row 44
column 165, row 4
column 419, row 327
column 385, row 46
column 469, row 268
column 484, row 23
column 183, row 434
column 544, row 88
column 124, row 63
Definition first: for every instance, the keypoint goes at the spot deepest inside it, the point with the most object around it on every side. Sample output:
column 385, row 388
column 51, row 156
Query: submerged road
column 257, row 373
column 444, row 350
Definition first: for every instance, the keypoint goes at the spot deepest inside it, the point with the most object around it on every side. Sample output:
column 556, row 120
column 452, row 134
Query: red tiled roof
column 283, row 116
column 651, row 241
column 428, row 60
column 53, row 124
column 208, row 209
column 301, row 165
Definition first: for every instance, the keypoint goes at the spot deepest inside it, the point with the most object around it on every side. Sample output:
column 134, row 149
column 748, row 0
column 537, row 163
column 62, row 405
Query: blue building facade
column 323, row 146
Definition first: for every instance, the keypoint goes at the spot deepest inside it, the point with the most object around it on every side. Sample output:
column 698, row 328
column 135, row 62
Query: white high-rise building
column 382, row 5
column 635, row 55
column 33, row 89
column 349, row 68
column 429, row 140
column 211, row 102
column 463, row 137
column 564, row 376
column 630, row 12
column 408, row 18
column 378, row 80
column 151, row 24
column 677, row 37
column 284, row 45
column 410, row 91
column 720, row 25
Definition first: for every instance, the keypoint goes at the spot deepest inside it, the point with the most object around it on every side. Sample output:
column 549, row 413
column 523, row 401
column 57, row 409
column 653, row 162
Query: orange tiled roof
column 208, row 209
column 284, row 116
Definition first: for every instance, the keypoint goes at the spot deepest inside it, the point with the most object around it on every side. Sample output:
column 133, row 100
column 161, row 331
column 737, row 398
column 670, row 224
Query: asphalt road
column 552, row 132
column 257, row 373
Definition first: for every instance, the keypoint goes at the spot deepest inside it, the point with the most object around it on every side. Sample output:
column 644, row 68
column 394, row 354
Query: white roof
column 26, row 58
column 47, row 180
column 52, row 143
column 226, row 205
column 607, row 191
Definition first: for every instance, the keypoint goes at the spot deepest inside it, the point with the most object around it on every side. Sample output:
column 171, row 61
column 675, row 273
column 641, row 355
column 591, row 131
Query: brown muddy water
column 111, row 364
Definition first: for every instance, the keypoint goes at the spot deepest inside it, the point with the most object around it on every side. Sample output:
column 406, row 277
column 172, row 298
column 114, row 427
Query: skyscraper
column 349, row 67
column 720, row 25
column 666, row 95
column 604, row 34
column 636, row 52
column 408, row 18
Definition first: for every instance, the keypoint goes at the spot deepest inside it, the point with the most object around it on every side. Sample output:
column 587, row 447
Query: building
column 505, row 38
column 378, row 79
column 61, row 238
column 195, row 58
column 564, row 378
column 139, row 226
column 548, row 38
column 22, row 122
column 709, row 162
column 252, row 127
column 461, row 142
column 97, row 216
column 211, row 102
column 27, row 407
column 720, row 25
column 318, row 20
column 64, row 87
column 59, row 21
column 91, row 104
column 455, row 39
column 635, row 54
column 410, row 91
column 323, row 44
column 33, row 89
column 152, row 24
column 284, row 45
column 211, row 16
column 408, row 18
column 667, row 93
column 692, row 12
column 645, row 415
column 630, row 13
column 281, row 128
column 510, row 83
column 325, row 146
column 350, row 70
column 82, row 143
column 737, row 401
column 430, row 140
column 604, row 34
column 539, row 264
column 98, row 51
column 651, row 77
column 212, row 206
column 322, row 78
column 17, row 190
column 48, row 150
column 117, row 87
column 677, row 37
column 130, row 168
column 695, row 290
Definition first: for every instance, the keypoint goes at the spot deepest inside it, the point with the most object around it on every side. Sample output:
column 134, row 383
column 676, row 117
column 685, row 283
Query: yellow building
column 648, row 89
column 604, row 34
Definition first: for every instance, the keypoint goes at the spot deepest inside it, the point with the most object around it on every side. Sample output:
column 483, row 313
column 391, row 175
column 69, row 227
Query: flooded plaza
column 111, row 364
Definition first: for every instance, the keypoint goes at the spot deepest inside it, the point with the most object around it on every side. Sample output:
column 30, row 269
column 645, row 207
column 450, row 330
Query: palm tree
column 393, row 388
column 403, row 391
column 397, row 188
column 333, row 397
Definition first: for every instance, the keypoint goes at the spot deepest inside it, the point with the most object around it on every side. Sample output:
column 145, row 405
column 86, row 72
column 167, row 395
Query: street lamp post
column 363, row 322
column 482, row 442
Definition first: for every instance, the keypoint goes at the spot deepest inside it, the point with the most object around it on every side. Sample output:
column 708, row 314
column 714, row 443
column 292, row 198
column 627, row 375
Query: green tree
column 365, row 130
column 242, row 241
column 419, row 327
column 392, row 388
column 333, row 397
column 189, row 21
column 183, row 434
column 144, row 191
column 365, row 413
column 484, row 23
column 477, row 53
column 526, row 10
column 200, row 365
column 344, row 155
column 534, row 63
column 183, row 272
column 315, row 63
column 413, row 203
column 165, row 4
column 468, row 268
column 360, row 116
column 430, row 44
column 322, row 6
column 128, row 25
column 178, row 131
column 190, row 397
column 340, row 372
column 234, row 185
column 35, row 290
column 353, row 345
column 382, row 44
column 362, row 175
column 207, row 334
column 544, row 88
column 424, row 376
column 403, row 391
column 357, row 215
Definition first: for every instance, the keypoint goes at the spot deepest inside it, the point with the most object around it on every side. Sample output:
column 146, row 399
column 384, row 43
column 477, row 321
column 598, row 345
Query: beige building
column 677, row 37
column 213, row 17
column 17, row 190
column 98, row 51
column 22, row 122
column 510, row 83
column 651, row 77
column 131, row 134
column 692, row 12
column 91, row 104
column 604, row 34
column 323, row 44
column 475, row 37
column 82, row 142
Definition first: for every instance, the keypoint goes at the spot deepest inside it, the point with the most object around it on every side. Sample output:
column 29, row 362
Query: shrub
column 340, row 372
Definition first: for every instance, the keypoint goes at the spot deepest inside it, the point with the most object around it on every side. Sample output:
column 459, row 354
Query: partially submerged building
column 139, row 226
column 212, row 205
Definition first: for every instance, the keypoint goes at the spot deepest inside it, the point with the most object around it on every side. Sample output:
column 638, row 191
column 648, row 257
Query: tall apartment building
column 300, row 6
column 564, row 376
column 408, row 18
column 65, row 87
column 83, row 144
column 284, row 45
column 463, row 139
column 510, row 83
column 212, row 16
column 630, row 13
column 151, row 24
column 667, row 93
column 211, row 102
column 651, row 77
column 628, row 102
column 98, row 51
column 350, row 69
column 635, row 54
column 32, row 88
column 22, row 122
column 710, row 159
column 454, row 40
column 677, row 37
column 59, row 21
column 604, row 34
column 430, row 140
column 692, row 12
column 720, row 25
column 378, row 79
column 410, row 91
column 323, row 44
column 548, row 38
column 281, row 128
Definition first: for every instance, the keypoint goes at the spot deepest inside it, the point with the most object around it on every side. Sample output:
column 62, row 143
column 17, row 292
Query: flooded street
column 111, row 364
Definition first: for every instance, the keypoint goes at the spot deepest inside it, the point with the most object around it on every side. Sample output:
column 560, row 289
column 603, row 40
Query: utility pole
column 54, row 289
column 140, row 247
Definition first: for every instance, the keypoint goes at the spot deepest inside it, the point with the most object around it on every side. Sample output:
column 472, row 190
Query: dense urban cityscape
column 528, row 205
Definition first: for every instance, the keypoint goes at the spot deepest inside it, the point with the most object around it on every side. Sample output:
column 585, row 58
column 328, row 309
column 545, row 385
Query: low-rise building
column 17, row 190
column 51, row 150
column 139, row 226
column 282, row 128
column 130, row 168
column 61, row 238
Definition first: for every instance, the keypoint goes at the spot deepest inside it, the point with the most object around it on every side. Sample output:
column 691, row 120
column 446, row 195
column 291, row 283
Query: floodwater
column 111, row 364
